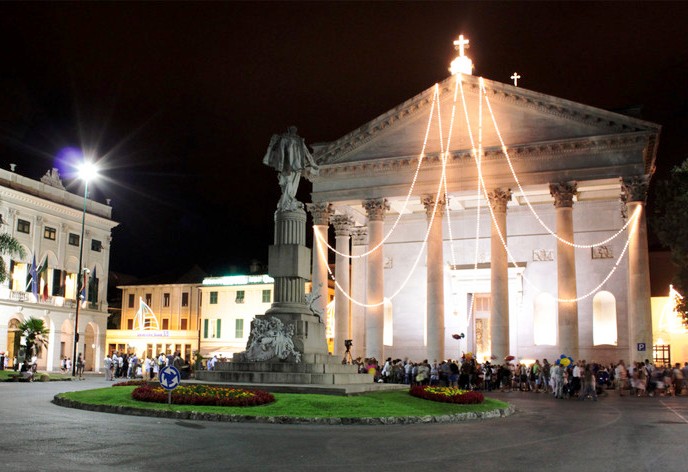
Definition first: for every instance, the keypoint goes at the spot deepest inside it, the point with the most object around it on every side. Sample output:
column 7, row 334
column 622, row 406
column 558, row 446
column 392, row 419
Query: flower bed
column 129, row 383
column 447, row 394
column 203, row 395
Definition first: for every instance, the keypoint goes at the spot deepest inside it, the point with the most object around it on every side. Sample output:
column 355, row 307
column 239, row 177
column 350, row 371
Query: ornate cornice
column 634, row 189
column 531, row 152
column 428, row 202
column 498, row 198
column 342, row 224
column 376, row 208
column 604, row 120
column 563, row 193
column 359, row 235
column 321, row 212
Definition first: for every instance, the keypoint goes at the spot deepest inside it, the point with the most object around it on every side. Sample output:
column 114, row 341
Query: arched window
column 388, row 328
column 545, row 320
column 604, row 319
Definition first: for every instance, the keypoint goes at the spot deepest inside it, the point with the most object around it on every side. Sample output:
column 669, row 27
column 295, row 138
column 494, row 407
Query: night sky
column 179, row 100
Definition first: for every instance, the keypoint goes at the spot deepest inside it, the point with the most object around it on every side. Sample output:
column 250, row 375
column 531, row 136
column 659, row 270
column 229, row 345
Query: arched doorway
column 13, row 340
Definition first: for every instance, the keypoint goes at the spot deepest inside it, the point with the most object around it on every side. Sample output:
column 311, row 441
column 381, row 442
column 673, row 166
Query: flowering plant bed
column 447, row 394
column 203, row 395
column 128, row 383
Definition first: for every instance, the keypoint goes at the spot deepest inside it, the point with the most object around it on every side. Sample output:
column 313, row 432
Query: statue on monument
column 287, row 154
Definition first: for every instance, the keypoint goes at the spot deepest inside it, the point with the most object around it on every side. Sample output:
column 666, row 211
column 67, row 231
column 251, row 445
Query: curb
column 193, row 415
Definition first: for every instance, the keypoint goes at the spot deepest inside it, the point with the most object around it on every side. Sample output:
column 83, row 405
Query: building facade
column 46, row 219
column 519, row 222
column 172, row 324
column 229, row 305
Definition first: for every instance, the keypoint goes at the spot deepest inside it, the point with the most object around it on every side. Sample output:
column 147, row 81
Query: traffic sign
column 641, row 346
column 169, row 377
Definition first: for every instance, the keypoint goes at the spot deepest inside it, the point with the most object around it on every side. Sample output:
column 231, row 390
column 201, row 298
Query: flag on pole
column 33, row 273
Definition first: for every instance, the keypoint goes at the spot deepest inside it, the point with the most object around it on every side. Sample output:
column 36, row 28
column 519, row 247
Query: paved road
column 613, row 434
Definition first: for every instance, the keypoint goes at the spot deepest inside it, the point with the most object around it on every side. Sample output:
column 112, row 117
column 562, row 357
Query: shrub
column 129, row 383
column 447, row 394
column 203, row 395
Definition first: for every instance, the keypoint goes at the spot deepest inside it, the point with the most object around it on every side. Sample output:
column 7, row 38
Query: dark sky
column 179, row 100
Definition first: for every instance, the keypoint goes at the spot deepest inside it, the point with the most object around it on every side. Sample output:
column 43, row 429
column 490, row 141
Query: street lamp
column 459, row 337
column 87, row 172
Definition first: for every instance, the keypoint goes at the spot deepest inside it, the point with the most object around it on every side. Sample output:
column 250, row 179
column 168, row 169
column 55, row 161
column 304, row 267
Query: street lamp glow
column 88, row 171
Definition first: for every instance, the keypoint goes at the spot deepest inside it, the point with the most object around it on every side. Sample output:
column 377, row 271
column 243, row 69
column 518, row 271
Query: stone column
column 342, row 227
column 321, row 213
column 359, row 241
column 639, row 308
column 375, row 209
column 563, row 193
column 499, row 276
column 434, row 313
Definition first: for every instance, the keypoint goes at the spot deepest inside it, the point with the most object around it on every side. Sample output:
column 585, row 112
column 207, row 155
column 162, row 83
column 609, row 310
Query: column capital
column 498, row 199
column 359, row 235
column 342, row 224
column 634, row 189
column 428, row 202
column 321, row 212
column 375, row 208
column 563, row 193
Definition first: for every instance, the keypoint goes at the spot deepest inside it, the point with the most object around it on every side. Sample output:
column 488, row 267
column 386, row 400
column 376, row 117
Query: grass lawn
column 5, row 376
column 370, row 405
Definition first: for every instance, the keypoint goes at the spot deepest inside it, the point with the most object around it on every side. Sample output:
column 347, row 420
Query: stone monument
column 287, row 344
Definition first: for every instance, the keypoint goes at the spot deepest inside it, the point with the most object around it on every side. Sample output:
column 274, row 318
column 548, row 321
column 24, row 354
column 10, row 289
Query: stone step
column 258, row 377
column 285, row 367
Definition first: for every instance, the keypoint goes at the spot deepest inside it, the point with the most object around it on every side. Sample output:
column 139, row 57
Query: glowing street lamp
column 87, row 171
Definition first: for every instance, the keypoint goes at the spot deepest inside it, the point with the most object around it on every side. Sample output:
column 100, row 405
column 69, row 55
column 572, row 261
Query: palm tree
column 9, row 246
column 36, row 333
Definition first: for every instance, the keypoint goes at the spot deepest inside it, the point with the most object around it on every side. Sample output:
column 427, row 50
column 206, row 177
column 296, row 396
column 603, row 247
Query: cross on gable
column 515, row 78
column 459, row 45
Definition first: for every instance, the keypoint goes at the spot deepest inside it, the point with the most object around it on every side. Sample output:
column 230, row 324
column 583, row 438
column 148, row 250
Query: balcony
column 28, row 297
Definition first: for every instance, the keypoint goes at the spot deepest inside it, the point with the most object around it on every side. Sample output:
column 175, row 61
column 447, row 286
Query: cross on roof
column 459, row 45
column 515, row 78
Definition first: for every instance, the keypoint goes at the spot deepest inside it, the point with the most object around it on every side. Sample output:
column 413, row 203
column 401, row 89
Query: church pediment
column 524, row 118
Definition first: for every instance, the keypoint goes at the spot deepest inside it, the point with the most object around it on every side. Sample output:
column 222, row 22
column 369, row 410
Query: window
column 50, row 233
column 73, row 239
column 149, row 299
column 165, row 299
column 131, row 300
column 266, row 296
column 23, row 226
column 184, row 324
column 185, row 299
column 165, row 323
column 130, row 324
column 239, row 328
column 240, row 296
column 211, row 328
column 96, row 245
column 213, row 298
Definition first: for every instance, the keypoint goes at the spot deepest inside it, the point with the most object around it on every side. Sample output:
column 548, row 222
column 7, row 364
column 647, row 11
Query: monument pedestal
column 287, row 344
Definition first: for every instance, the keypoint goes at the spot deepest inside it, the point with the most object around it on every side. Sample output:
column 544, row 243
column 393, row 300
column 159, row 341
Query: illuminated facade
column 173, row 323
column 502, row 221
column 46, row 219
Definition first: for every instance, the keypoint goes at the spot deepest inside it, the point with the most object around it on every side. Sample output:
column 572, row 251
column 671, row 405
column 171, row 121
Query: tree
column 36, row 333
column 9, row 246
column 670, row 224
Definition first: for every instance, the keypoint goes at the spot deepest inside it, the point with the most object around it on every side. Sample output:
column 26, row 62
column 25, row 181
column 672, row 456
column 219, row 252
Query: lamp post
column 87, row 171
column 459, row 337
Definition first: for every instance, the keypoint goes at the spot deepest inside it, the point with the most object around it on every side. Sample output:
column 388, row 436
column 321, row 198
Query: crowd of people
column 563, row 379
column 130, row 366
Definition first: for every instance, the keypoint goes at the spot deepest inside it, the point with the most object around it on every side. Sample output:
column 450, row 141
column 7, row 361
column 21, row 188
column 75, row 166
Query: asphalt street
column 612, row 434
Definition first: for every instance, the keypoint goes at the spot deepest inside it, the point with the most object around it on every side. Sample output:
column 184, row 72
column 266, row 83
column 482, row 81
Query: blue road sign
column 170, row 378
column 641, row 346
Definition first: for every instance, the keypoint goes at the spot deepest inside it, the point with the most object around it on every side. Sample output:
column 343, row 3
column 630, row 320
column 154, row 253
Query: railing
column 28, row 297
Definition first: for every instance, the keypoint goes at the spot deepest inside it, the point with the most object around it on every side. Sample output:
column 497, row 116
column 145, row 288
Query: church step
column 285, row 367
column 283, row 378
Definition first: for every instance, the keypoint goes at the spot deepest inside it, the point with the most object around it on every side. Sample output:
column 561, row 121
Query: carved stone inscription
column 543, row 255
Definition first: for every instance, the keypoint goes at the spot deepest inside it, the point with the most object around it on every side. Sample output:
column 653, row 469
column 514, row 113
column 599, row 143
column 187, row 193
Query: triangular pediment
column 524, row 118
